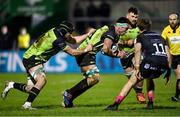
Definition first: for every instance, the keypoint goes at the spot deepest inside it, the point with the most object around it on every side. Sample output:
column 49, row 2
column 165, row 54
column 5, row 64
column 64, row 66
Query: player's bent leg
column 78, row 89
column 35, row 90
column 138, row 87
column 91, row 77
column 123, row 93
column 127, row 87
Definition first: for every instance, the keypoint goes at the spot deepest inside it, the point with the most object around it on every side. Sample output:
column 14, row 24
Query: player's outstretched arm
column 75, row 52
column 80, row 38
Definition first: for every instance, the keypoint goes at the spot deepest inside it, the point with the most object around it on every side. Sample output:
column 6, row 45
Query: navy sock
column 20, row 86
column 79, row 88
column 177, row 88
column 33, row 94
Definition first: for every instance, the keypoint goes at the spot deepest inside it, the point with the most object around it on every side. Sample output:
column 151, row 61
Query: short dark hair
column 133, row 10
column 144, row 24
column 123, row 20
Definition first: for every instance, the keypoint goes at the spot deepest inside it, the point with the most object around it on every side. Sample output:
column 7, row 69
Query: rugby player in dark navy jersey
column 152, row 59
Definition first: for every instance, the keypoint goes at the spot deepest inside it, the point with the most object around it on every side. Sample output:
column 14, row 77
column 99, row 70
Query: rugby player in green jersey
column 126, row 43
column 102, row 40
column 47, row 45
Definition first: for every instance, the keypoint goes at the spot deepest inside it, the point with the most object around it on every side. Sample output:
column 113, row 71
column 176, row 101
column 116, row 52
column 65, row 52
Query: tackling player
column 47, row 45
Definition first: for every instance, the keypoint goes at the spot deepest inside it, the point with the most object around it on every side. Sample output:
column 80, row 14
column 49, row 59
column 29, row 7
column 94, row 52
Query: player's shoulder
column 110, row 31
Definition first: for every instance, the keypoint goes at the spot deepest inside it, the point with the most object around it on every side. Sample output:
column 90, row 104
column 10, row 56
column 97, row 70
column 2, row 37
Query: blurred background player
column 156, row 61
column 127, row 44
column 47, row 45
column 171, row 33
column 23, row 39
column 6, row 39
column 103, row 39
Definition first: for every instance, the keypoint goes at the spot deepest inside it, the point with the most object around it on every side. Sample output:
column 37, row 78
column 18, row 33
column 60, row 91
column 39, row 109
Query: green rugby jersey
column 47, row 45
column 130, row 34
column 95, row 40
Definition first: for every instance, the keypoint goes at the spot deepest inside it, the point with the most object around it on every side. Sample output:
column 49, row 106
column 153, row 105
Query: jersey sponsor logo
column 146, row 66
column 92, row 62
column 175, row 39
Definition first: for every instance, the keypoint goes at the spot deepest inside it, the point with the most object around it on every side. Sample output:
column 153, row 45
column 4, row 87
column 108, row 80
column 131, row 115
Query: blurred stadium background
column 38, row 16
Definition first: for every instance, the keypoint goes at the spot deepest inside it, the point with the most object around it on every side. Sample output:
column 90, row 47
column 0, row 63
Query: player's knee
column 92, row 76
column 129, row 73
column 28, row 88
column 93, row 80
column 41, row 79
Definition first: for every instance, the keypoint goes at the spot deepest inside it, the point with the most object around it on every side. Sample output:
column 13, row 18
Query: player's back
column 42, row 48
column 153, row 47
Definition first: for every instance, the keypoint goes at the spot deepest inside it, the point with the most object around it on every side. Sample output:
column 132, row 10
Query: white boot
column 8, row 86
column 27, row 106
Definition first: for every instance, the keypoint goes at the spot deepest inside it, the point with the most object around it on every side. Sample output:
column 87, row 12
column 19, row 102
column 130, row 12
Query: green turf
column 91, row 103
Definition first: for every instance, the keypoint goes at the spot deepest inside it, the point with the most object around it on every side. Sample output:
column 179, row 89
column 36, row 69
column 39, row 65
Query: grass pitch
column 92, row 102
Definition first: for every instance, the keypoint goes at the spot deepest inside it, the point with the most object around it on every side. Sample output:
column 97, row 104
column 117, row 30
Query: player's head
column 173, row 20
column 132, row 15
column 121, row 25
column 4, row 29
column 65, row 27
column 144, row 24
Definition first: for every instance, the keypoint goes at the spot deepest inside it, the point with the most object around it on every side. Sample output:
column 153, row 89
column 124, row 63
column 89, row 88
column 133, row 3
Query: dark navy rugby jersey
column 152, row 44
